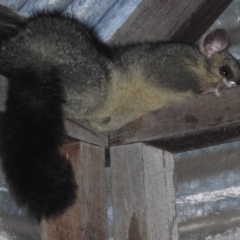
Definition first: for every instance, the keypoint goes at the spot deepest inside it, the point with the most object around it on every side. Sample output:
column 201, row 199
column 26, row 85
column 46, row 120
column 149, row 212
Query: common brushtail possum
column 57, row 68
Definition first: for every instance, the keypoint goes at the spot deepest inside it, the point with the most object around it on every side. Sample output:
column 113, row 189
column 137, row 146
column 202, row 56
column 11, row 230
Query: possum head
column 222, row 68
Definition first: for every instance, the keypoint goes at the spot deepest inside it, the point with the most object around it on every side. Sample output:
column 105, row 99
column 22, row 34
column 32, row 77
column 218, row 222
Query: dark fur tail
column 31, row 133
column 10, row 22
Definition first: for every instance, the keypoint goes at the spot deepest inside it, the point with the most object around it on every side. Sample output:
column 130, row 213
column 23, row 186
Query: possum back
column 51, row 40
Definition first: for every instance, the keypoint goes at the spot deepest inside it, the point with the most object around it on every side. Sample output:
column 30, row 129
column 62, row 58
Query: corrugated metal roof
column 104, row 16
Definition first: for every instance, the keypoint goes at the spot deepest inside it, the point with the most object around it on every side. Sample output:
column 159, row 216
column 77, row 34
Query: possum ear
column 10, row 22
column 215, row 42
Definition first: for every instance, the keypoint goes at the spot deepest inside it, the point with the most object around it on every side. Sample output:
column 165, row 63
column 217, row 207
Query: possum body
column 57, row 68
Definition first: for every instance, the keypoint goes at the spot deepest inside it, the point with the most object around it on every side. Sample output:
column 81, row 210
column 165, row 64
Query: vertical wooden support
column 86, row 219
column 143, row 193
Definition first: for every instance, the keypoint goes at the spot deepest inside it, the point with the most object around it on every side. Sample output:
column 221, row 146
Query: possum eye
column 226, row 72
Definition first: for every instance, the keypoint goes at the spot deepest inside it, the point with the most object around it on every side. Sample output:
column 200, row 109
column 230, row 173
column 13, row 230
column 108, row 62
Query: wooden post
column 143, row 193
column 86, row 219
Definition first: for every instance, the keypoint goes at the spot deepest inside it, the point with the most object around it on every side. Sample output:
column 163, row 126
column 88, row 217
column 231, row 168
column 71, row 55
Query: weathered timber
column 213, row 119
column 87, row 217
column 78, row 131
column 200, row 20
column 169, row 20
column 143, row 193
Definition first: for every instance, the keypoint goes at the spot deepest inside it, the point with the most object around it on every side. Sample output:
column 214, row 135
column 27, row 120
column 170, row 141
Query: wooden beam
column 200, row 20
column 169, row 20
column 195, row 122
column 78, row 131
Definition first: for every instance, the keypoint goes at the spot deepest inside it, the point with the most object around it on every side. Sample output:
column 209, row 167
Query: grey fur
column 58, row 69
column 85, row 65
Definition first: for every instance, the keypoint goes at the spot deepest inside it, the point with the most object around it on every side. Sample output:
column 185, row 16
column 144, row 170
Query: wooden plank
column 87, row 218
column 114, row 17
column 143, row 193
column 199, row 139
column 190, row 118
column 77, row 131
column 109, row 206
column 169, row 20
column 200, row 20
column 128, row 193
column 160, row 194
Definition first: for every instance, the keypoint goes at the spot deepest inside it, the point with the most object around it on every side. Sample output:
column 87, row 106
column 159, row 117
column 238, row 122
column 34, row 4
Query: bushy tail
column 10, row 22
column 31, row 133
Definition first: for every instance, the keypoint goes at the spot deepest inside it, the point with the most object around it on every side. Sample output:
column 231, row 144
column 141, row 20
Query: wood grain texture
column 85, row 220
column 160, row 194
column 190, row 118
column 128, row 193
column 78, row 131
column 200, row 20
column 169, row 20
column 143, row 193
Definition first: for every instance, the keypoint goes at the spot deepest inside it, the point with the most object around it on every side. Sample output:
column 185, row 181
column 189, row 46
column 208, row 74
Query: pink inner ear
column 215, row 42
column 214, row 47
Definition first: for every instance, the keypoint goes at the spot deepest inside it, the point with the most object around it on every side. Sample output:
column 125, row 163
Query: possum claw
column 228, row 83
column 222, row 84
column 217, row 92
